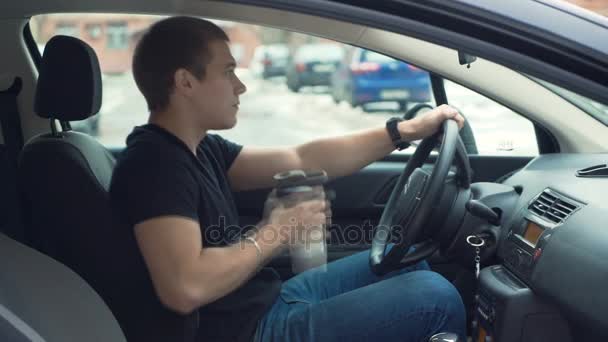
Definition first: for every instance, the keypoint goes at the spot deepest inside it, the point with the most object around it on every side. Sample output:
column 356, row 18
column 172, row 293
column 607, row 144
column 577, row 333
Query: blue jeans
column 350, row 303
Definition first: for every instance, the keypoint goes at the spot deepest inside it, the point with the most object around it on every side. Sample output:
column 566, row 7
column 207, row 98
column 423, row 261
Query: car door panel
column 360, row 199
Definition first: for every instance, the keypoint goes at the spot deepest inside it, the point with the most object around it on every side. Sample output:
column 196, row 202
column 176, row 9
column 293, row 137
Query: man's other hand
column 301, row 215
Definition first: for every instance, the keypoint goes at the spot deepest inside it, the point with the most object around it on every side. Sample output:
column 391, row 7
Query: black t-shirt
column 157, row 175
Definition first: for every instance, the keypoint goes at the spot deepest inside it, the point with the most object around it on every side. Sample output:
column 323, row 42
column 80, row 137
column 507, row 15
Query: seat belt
column 10, row 217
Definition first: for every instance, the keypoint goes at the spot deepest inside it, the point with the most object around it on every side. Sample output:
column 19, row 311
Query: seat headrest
column 69, row 82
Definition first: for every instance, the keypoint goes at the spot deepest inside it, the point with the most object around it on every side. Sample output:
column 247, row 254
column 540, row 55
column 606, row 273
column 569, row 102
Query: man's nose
column 240, row 87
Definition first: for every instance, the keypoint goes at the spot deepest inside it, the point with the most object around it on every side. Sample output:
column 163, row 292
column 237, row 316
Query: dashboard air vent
column 553, row 206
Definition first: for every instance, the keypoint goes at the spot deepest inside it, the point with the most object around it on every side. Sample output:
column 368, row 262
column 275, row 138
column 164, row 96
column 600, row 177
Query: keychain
column 477, row 242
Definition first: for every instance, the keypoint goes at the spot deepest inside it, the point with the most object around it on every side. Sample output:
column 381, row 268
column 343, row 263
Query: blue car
column 367, row 76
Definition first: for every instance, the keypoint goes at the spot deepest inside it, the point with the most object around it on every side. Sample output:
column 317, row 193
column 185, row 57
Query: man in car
column 198, row 279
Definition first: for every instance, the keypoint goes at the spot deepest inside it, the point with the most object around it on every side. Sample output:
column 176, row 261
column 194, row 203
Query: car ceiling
column 551, row 15
column 512, row 89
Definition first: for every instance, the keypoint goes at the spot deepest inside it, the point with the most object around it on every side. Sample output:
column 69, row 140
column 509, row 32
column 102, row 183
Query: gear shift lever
column 444, row 337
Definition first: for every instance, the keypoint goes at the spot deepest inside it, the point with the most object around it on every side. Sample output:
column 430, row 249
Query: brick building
column 113, row 37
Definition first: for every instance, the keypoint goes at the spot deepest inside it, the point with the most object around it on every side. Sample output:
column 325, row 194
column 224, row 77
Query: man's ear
column 182, row 79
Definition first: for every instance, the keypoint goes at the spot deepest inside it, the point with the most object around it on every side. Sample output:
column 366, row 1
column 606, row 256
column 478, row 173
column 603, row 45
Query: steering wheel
column 416, row 199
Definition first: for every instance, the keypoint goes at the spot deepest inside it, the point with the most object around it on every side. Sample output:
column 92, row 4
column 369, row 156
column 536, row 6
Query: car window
column 371, row 56
column 286, row 103
column 318, row 93
column 497, row 129
column 328, row 51
column 279, row 51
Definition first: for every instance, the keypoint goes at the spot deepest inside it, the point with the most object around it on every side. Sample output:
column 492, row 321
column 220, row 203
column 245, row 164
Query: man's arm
column 338, row 156
column 186, row 275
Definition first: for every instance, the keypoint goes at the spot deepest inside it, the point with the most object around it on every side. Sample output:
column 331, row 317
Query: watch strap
column 393, row 132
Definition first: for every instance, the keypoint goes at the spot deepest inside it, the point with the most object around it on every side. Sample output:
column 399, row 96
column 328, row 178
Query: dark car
column 368, row 76
column 270, row 60
column 313, row 65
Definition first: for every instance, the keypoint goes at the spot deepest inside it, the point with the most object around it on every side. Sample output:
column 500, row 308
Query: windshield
column 600, row 107
column 595, row 109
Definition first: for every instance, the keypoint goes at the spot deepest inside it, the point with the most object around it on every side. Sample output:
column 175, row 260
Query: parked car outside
column 313, row 65
column 269, row 60
column 367, row 76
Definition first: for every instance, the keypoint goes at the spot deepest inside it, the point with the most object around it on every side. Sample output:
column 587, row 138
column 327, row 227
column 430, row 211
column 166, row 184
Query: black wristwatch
column 393, row 132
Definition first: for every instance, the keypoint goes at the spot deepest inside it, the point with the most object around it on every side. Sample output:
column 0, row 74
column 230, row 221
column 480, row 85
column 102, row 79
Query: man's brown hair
column 168, row 45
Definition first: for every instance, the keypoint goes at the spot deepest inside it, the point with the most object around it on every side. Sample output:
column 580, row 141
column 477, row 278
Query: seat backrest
column 42, row 300
column 64, row 176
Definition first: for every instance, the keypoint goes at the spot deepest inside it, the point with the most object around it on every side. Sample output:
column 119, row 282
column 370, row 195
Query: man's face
column 215, row 98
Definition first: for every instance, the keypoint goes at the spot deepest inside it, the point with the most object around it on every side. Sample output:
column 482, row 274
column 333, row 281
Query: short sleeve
column 228, row 149
column 142, row 190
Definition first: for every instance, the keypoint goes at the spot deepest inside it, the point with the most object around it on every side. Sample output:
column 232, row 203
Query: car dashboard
column 553, row 252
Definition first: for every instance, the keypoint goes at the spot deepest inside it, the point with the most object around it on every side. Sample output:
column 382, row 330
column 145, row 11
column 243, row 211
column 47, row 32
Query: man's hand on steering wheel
column 421, row 195
column 428, row 124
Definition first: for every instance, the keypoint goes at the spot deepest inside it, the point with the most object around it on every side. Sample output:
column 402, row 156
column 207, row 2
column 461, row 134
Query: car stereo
column 524, row 244
column 533, row 229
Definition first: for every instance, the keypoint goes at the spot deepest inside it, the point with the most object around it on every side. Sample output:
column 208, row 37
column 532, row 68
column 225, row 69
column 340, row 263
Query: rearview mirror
column 466, row 59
